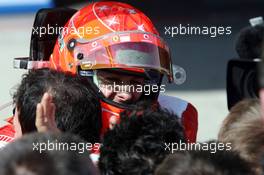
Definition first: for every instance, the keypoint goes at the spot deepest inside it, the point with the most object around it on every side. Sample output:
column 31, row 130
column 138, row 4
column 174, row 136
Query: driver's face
column 123, row 96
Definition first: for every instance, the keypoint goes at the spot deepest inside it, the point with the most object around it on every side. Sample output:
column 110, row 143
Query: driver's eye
column 105, row 81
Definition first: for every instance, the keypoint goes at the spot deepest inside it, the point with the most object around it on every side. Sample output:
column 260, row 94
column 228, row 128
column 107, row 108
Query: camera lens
column 242, row 81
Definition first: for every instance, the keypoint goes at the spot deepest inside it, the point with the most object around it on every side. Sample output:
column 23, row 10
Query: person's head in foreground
column 244, row 129
column 204, row 163
column 24, row 157
column 77, row 108
column 243, row 111
column 137, row 144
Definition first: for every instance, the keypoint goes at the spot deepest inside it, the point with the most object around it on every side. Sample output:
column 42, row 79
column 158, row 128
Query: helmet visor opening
column 124, row 55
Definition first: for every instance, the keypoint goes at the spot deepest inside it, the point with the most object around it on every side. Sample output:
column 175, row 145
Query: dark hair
column 77, row 106
column 22, row 158
column 204, row 162
column 137, row 144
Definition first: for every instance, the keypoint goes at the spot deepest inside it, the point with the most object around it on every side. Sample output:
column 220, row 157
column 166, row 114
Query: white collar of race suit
column 175, row 104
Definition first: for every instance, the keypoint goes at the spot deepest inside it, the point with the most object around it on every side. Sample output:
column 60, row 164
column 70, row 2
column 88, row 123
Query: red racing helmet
column 107, row 35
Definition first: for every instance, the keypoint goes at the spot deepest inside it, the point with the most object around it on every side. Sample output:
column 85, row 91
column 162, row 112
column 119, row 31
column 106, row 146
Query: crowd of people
column 82, row 116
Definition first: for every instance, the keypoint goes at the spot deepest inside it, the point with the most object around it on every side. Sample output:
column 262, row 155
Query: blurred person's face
column 261, row 96
column 107, row 80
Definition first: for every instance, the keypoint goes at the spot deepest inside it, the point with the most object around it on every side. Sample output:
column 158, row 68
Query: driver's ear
column 17, row 126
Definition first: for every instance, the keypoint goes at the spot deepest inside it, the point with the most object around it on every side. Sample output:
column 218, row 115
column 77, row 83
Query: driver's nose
column 123, row 97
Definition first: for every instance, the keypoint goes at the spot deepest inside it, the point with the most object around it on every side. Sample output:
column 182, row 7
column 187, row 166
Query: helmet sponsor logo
column 86, row 65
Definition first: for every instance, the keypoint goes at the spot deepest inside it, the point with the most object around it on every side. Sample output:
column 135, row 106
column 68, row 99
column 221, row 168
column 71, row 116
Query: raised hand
column 45, row 115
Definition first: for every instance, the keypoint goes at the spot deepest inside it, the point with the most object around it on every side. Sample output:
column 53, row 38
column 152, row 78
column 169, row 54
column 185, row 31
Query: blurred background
column 204, row 58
